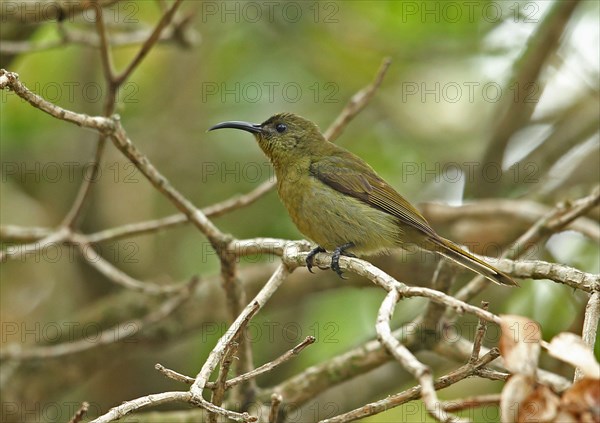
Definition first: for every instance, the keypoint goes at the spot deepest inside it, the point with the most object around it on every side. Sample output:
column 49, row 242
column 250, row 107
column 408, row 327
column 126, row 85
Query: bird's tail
column 452, row 251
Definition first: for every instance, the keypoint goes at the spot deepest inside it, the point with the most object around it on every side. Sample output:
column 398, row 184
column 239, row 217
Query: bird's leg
column 311, row 256
column 335, row 257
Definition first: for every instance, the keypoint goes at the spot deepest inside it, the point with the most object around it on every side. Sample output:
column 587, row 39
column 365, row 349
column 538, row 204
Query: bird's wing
column 352, row 176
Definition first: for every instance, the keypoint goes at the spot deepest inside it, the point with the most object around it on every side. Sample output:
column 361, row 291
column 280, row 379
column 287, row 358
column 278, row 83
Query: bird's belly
column 332, row 219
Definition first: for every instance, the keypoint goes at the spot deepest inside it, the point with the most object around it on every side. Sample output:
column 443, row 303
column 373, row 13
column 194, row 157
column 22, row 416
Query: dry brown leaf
column 571, row 349
column 540, row 406
column 515, row 391
column 520, row 344
column 583, row 400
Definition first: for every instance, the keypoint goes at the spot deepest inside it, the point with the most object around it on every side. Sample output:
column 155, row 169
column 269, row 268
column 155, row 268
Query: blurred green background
column 435, row 114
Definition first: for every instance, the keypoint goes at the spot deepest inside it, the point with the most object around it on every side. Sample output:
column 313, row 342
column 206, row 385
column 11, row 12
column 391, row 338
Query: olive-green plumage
column 338, row 201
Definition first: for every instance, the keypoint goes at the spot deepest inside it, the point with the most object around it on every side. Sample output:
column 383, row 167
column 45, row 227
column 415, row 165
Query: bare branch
column 10, row 80
column 219, row 385
column 152, row 400
column 362, row 98
column 421, row 372
column 107, row 65
column 531, row 269
column 274, row 410
column 461, row 349
column 119, row 277
column 218, row 351
column 16, row 251
column 379, row 277
column 118, row 333
column 124, row 144
column 537, row 269
column 310, row 383
column 27, row 234
column 415, row 392
column 514, row 114
column 590, row 326
column 527, row 212
column 561, row 216
column 219, row 388
column 240, row 417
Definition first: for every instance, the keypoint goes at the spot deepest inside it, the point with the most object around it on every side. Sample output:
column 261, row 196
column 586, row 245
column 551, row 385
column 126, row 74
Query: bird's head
column 282, row 136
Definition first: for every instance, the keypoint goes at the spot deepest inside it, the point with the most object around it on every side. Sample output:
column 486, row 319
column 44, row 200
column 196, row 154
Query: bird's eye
column 281, row 127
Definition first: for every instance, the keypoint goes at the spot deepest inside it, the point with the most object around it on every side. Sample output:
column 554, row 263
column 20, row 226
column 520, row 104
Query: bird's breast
column 332, row 219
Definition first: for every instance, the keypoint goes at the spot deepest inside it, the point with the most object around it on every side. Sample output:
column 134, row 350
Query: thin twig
column 267, row 367
column 80, row 414
column 10, row 80
column 490, row 210
column 481, row 327
column 70, row 219
column 461, row 349
column 149, row 43
column 493, row 374
column 299, row 389
column 172, row 374
column 357, row 103
column 471, row 402
column 107, row 64
column 16, row 233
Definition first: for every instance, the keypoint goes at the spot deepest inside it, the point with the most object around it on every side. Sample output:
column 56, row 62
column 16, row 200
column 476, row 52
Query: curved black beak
column 254, row 128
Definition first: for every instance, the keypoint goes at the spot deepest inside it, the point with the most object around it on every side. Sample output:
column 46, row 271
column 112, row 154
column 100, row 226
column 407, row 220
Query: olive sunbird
column 338, row 201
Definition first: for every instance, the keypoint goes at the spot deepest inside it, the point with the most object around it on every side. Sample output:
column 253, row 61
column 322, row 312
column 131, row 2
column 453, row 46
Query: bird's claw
column 335, row 258
column 335, row 264
column 311, row 256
